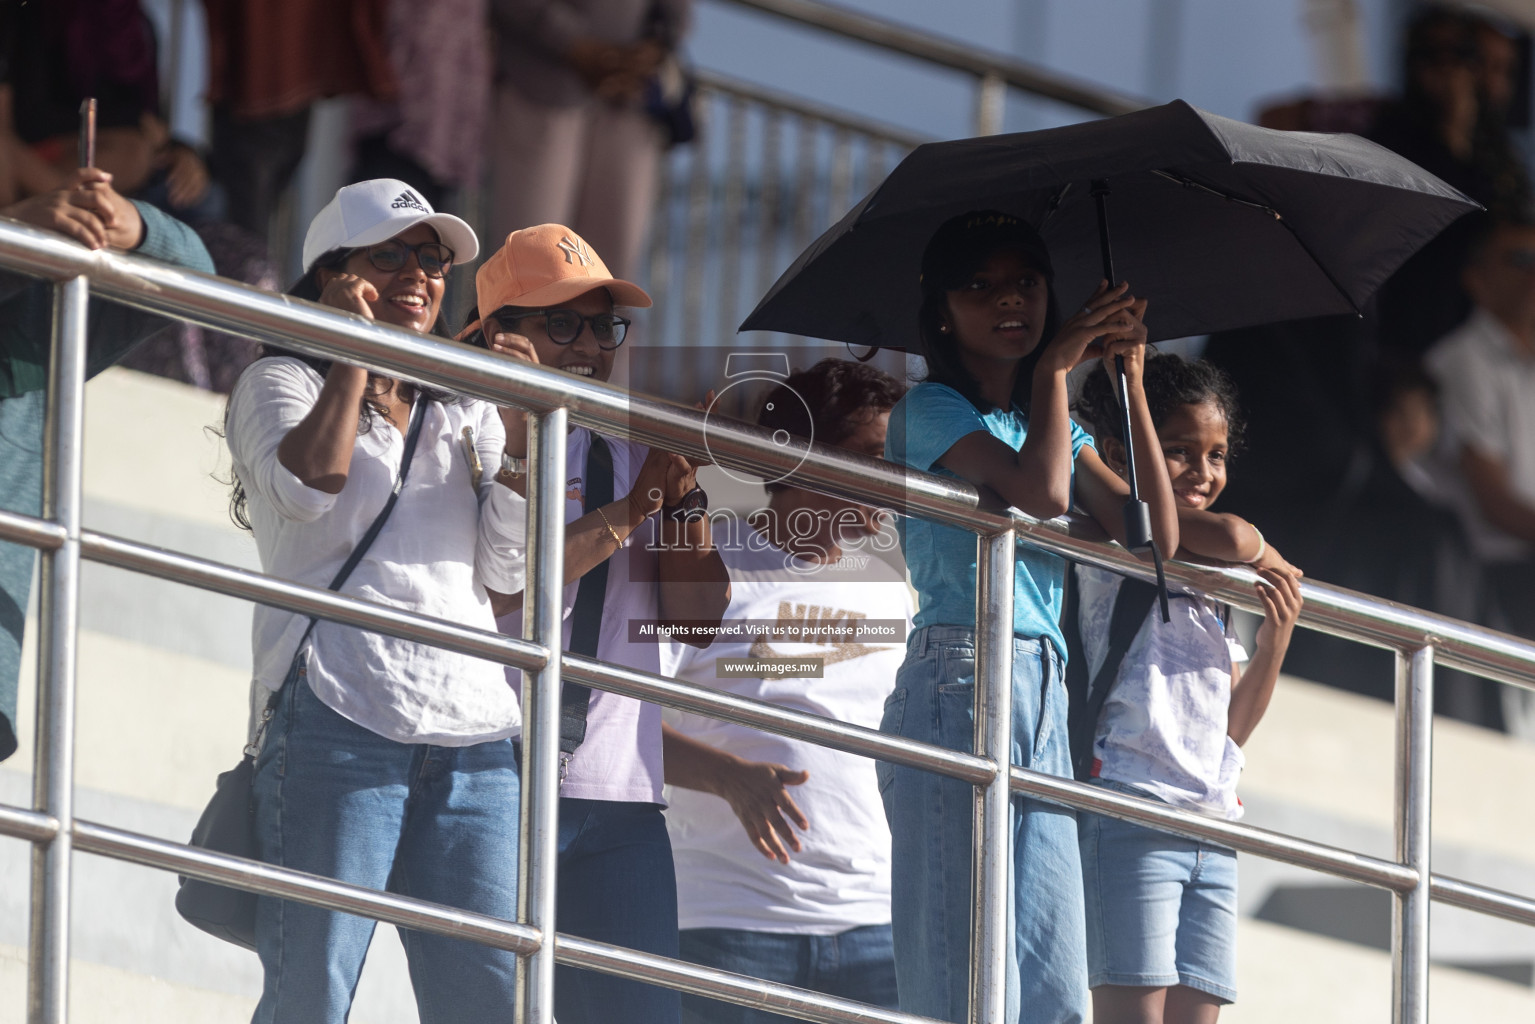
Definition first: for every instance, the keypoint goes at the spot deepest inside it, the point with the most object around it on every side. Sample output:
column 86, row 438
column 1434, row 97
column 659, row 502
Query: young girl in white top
column 1161, row 909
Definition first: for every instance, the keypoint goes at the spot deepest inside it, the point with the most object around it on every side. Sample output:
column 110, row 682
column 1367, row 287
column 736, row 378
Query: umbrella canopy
column 1220, row 224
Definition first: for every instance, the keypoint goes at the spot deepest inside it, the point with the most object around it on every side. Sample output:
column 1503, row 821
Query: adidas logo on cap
column 407, row 201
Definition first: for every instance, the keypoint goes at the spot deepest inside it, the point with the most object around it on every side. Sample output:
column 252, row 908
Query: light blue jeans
column 438, row 823
column 1161, row 909
column 931, row 822
column 855, row 964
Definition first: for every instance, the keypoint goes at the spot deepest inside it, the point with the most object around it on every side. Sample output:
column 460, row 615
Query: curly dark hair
column 1171, row 382
column 840, row 396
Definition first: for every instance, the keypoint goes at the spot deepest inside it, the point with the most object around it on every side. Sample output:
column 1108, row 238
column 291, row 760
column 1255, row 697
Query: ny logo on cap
column 574, row 250
column 407, row 200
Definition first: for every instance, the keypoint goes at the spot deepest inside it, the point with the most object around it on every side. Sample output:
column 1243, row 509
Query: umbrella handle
column 1137, row 512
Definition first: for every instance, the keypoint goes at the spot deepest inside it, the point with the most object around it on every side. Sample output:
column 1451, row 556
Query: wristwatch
column 693, row 505
column 512, row 468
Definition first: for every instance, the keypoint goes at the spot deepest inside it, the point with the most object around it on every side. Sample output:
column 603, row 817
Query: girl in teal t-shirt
column 993, row 411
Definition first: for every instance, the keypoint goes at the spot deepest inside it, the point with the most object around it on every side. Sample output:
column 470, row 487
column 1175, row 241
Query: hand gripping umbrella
column 1218, row 223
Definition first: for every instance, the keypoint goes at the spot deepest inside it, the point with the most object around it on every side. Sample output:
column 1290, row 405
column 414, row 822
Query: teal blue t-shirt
column 923, row 426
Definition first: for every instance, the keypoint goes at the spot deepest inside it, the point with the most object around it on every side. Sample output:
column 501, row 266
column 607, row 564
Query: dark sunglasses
column 564, row 326
column 433, row 258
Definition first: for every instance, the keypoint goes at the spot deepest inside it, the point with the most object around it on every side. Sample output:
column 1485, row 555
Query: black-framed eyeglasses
column 564, row 326
column 434, row 258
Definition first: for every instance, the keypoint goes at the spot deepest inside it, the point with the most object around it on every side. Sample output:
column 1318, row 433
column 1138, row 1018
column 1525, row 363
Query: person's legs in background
column 536, row 159
column 617, row 884
column 618, row 176
column 255, row 161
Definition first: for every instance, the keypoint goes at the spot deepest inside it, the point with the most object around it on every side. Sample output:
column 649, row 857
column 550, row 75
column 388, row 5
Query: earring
column 943, row 328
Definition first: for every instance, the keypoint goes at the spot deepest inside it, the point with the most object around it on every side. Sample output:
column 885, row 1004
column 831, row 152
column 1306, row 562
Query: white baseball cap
column 374, row 211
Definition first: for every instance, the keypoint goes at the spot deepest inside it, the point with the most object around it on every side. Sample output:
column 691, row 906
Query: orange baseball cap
column 543, row 266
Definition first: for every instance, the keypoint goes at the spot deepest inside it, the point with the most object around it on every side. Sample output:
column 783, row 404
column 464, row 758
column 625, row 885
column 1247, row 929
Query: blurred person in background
column 268, row 62
column 753, row 895
column 1486, row 373
column 430, row 134
column 88, row 210
column 1451, row 120
column 572, row 140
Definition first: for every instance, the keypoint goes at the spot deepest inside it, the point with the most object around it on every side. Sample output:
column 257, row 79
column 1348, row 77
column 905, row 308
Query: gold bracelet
column 611, row 532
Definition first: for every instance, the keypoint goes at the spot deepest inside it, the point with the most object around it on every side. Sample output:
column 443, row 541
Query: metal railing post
column 542, row 620
column 990, row 104
column 58, row 622
column 992, row 831
column 1414, row 802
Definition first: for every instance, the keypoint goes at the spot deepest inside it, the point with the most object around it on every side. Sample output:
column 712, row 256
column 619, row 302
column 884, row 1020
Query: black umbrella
column 1218, row 223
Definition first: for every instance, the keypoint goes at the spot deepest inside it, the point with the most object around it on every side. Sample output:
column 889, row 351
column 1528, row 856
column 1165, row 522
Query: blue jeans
column 616, row 884
column 856, row 964
column 1161, row 909
column 931, row 852
column 437, row 823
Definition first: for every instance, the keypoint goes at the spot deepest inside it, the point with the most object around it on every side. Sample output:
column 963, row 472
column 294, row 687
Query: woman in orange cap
column 634, row 515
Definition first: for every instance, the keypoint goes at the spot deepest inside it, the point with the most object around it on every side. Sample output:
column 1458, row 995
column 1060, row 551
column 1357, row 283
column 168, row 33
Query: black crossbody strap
column 412, row 434
column 1131, row 604
column 586, row 616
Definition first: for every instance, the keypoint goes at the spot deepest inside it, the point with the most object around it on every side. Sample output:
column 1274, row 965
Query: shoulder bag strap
column 412, row 434
column 1131, row 604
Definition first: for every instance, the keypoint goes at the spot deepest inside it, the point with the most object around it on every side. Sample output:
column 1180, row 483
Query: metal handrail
column 896, row 38
column 322, row 331
column 1414, row 635
column 751, row 92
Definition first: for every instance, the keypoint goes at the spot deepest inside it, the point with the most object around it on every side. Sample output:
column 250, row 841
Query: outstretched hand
column 758, row 793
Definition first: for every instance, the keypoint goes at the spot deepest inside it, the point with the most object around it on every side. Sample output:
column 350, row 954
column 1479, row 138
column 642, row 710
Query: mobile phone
column 88, row 132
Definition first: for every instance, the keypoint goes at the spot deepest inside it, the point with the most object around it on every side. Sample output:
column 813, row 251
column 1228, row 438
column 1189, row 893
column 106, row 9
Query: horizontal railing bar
column 233, row 306
column 958, row 56
column 307, row 600
column 575, row 951
column 328, row 333
column 756, row 714
column 421, row 915
column 1482, row 899
column 713, row 81
column 30, row 825
column 1328, row 609
column 270, row 880
column 35, row 533
column 1277, row 846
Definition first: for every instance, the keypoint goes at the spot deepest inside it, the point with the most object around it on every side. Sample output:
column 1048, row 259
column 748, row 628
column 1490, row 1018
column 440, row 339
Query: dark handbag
column 228, row 823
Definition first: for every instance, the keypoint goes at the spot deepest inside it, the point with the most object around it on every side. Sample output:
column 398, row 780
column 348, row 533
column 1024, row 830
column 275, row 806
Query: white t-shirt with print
column 620, row 758
column 1163, row 727
column 841, row 879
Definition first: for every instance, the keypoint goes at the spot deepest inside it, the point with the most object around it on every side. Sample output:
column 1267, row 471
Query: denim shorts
column 1161, row 909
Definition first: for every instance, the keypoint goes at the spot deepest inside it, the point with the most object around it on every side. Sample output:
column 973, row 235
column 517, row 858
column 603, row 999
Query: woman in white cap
column 383, row 763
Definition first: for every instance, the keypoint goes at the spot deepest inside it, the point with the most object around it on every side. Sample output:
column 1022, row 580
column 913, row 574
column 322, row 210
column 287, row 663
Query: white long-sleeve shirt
column 443, row 544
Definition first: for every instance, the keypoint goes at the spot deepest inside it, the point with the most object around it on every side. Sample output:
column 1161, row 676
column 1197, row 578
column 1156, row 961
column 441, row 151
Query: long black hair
column 957, row 250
